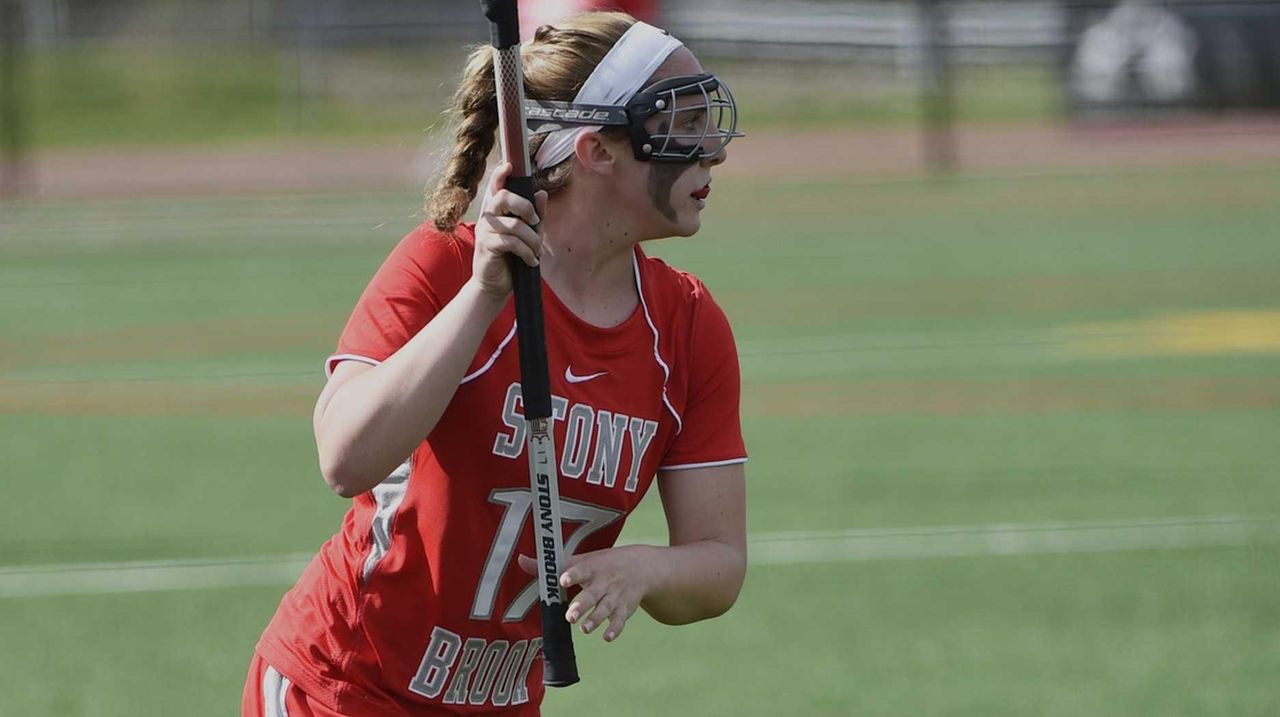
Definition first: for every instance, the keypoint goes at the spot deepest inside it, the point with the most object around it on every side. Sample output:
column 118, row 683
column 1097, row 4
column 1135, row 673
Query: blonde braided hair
column 556, row 64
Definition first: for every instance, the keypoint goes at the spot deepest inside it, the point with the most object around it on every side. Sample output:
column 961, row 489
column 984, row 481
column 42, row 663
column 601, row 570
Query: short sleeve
column 422, row 274
column 711, row 430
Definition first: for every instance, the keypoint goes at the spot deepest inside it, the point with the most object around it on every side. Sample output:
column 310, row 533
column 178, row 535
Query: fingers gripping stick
column 560, row 667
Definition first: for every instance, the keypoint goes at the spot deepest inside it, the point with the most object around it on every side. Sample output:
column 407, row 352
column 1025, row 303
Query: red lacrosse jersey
column 418, row 605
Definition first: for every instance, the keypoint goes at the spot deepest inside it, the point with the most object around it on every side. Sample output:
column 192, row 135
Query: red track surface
column 871, row 153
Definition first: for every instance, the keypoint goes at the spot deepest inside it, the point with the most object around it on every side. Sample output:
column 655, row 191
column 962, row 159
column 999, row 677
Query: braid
column 556, row 64
column 475, row 109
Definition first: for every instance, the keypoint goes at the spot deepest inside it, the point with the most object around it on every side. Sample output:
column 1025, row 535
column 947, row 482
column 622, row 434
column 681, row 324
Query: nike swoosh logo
column 572, row 378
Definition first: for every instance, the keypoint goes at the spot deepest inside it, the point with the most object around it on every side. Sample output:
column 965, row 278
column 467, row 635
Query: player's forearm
column 377, row 418
column 695, row 581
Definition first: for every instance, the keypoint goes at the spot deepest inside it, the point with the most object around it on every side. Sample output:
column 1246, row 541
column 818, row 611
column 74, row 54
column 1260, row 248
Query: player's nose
column 717, row 158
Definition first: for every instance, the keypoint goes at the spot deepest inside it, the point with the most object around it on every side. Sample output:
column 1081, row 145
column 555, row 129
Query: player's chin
column 687, row 225
column 689, row 219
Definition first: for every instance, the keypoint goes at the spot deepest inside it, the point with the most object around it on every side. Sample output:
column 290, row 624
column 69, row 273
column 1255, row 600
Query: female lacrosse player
column 422, row 603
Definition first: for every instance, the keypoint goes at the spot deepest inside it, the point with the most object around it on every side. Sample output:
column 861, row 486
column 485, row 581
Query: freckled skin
column 662, row 178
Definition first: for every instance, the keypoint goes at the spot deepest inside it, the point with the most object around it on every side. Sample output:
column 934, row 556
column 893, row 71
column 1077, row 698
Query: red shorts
column 267, row 693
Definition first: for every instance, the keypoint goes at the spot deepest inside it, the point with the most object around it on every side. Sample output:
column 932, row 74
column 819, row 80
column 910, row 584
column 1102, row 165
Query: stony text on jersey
column 594, row 439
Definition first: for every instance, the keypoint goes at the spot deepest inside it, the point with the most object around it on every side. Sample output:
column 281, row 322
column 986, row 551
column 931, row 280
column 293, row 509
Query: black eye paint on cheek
column 662, row 178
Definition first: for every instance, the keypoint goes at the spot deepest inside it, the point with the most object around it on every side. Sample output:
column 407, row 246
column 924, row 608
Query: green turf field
column 1092, row 362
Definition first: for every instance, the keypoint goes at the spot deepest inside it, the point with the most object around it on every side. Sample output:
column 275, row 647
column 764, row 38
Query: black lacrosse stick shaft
column 560, row 667
column 535, row 378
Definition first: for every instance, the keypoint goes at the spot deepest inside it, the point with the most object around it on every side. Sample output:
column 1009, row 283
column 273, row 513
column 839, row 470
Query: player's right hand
column 505, row 227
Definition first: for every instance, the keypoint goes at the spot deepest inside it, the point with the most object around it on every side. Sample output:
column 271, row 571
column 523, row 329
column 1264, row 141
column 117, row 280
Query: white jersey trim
column 387, row 497
column 275, row 687
column 710, row 464
column 335, row 359
column 492, row 359
column 657, row 355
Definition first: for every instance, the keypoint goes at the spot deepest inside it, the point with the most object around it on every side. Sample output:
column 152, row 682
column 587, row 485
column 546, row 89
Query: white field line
column 928, row 341
column 958, row 541
column 149, row 576
column 963, row 541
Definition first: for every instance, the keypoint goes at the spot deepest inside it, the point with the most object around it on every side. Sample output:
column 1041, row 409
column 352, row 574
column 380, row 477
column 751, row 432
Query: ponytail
column 475, row 110
column 556, row 64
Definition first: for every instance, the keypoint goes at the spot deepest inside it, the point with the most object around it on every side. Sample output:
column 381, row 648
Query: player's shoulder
column 674, row 288
column 433, row 256
column 678, row 301
column 693, row 331
column 426, row 240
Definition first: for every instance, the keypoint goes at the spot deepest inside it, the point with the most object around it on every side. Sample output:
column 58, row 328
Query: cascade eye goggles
column 696, row 116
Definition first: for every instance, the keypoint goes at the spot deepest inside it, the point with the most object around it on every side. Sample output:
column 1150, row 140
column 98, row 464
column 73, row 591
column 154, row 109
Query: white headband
column 621, row 74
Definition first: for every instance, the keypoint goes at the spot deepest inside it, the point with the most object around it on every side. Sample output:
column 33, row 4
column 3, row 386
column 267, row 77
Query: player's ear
column 595, row 153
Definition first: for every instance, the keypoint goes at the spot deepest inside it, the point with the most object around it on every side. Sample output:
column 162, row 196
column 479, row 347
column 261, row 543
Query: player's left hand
column 612, row 583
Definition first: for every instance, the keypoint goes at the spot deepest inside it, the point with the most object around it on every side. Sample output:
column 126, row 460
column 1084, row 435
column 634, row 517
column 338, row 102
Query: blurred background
column 1005, row 278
